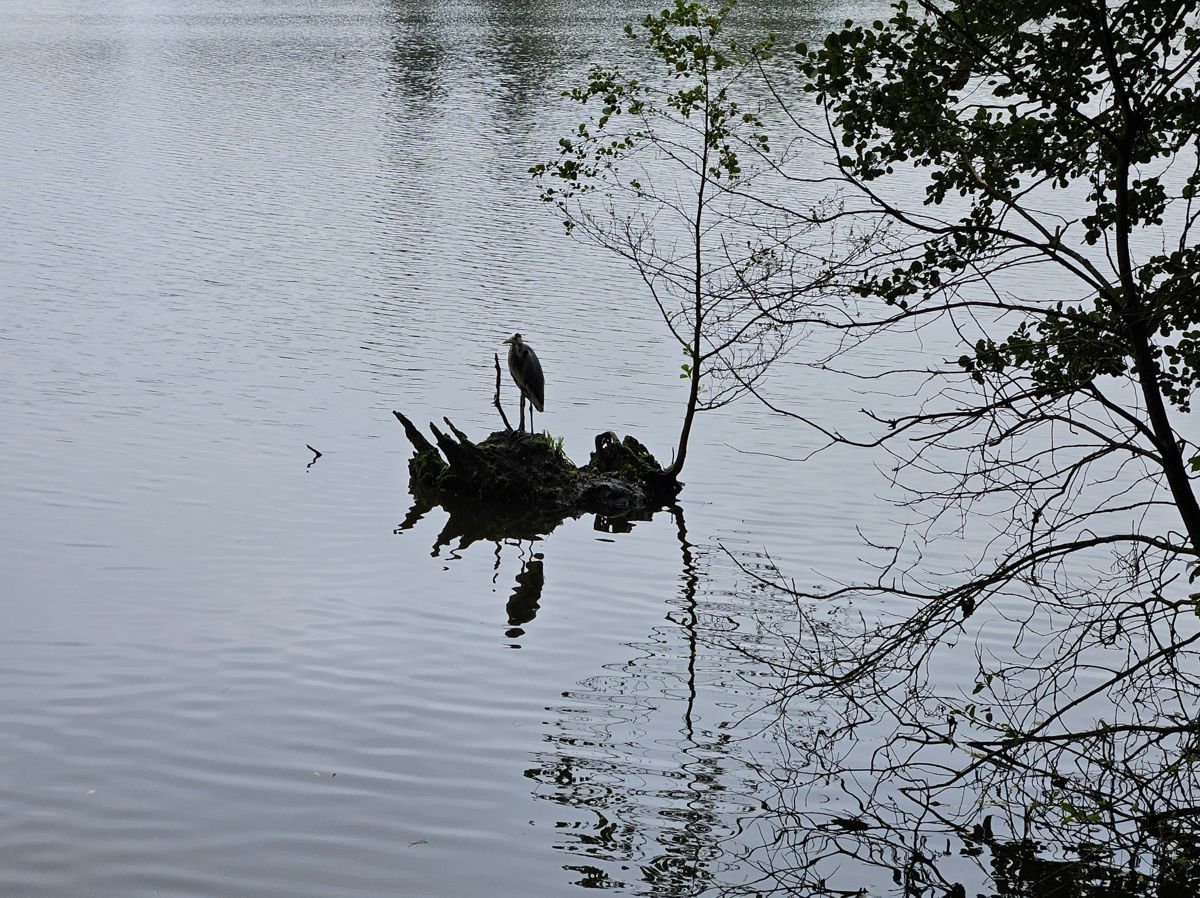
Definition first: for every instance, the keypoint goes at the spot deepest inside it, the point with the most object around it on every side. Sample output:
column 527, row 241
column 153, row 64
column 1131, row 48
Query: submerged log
column 515, row 484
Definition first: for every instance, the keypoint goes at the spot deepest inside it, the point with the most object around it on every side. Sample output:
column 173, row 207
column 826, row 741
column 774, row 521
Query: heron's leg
column 531, row 430
column 521, row 426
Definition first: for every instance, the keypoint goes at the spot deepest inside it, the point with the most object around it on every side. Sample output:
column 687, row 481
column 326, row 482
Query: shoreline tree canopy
column 1014, row 183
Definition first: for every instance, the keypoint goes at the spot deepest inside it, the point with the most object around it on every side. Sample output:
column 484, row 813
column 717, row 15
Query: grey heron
column 526, row 372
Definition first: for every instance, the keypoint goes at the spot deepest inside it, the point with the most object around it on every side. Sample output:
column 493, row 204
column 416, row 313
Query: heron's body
column 526, row 372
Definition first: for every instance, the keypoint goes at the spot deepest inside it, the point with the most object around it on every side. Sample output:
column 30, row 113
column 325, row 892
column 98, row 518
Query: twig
column 496, row 398
column 315, row 453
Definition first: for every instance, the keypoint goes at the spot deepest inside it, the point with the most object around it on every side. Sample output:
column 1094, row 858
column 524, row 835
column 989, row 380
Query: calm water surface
column 232, row 229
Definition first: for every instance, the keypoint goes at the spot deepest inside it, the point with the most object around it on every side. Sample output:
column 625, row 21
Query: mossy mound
column 514, row 483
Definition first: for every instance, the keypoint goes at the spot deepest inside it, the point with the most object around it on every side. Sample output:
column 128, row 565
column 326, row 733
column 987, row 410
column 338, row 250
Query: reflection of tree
column 526, row 39
column 645, row 814
column 525, row 48
column 853, row 799
column 420, row 51
column 691, row 580
column 521, row 41
column 655, row 809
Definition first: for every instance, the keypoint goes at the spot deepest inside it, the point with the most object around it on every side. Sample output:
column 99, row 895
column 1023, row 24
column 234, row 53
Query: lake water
column 235, row 229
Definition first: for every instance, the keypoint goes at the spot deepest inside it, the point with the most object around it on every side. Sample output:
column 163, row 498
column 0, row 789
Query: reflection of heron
column 526, row 596
column 526, row 371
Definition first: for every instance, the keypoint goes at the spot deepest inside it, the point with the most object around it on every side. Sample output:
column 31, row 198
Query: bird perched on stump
column 526, row 372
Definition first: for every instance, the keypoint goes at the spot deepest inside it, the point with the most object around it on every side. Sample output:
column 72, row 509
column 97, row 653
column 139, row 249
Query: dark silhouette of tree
column 1025, row 172
column 660, row 174
column 1010, row 194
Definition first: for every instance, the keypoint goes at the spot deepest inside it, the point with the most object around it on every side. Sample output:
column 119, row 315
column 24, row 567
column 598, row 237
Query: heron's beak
column 509, row 341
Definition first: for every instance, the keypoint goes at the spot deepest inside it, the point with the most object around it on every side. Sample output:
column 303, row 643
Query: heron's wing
column 535, row 382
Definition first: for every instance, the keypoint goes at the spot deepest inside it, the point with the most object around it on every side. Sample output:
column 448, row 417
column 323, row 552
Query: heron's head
column 514, row 340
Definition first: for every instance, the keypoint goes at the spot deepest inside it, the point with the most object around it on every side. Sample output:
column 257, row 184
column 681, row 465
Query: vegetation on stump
column 520, row 485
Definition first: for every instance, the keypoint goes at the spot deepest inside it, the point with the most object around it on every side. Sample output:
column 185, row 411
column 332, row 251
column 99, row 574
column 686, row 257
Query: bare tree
column 661, row 175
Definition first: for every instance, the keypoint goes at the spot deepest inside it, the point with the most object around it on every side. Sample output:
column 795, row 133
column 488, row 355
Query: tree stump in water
column 515, row 484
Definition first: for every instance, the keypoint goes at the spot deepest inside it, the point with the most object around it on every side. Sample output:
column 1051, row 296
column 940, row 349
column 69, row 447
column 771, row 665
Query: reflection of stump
column 514, row 484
